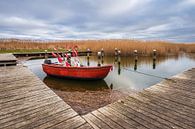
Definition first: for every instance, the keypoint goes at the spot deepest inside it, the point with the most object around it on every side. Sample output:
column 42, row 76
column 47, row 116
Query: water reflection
column 85, row 96
column 154, row 64
column 70, row 85
column 135, row 66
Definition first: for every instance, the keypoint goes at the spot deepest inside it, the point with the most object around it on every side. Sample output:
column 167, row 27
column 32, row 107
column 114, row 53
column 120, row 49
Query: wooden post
column 46, row 56
column 154, row 64
column 111, row 86
column 115, row 52
column 88, row 54
column 99, row 58
column 115, row 55
column 154, row 54
column 119, row 57
column 136, row 59
column 102, row 52
column 102, row 55
column 154, row 59
column 135, row 55
column 135, row 66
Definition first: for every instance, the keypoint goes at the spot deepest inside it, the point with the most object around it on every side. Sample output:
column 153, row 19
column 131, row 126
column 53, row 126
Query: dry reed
column 126, row 46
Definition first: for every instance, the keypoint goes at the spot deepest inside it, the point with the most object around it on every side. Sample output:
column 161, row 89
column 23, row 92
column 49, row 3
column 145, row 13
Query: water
column 85, row 96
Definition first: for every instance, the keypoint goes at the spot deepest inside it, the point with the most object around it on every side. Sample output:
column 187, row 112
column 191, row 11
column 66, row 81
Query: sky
column 169, row 20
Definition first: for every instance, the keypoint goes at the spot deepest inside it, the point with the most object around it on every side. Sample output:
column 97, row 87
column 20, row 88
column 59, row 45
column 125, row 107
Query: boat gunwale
column 73, row 67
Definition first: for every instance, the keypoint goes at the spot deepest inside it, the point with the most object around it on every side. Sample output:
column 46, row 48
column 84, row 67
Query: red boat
column 89, row 73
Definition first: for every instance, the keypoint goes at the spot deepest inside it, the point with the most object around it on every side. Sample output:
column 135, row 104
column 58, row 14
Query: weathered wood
column 26, row 102
column 46, row 121
column 70, row 123
column 155, row 98
column 100, row 124
column 107, row 120
column 138, row 117
column 169, row 104
column 7, row 59
column 121, row 119
column 30, row 118
column 27, row 111
column 85, row 126
column 154, row 112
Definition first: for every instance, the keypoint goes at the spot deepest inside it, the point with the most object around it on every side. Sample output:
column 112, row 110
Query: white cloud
column 21, row 22
column 190, row 1
column 113, row 8
column 98, row 19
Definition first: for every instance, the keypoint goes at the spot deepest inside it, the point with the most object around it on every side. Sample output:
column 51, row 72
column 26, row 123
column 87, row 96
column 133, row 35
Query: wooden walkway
column 26, row 102
column 167, row 105
column 7, row 59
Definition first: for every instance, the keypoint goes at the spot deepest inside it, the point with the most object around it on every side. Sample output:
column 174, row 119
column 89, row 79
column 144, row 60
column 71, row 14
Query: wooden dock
column 26, row 102
column 167, row 105
column 7, row 59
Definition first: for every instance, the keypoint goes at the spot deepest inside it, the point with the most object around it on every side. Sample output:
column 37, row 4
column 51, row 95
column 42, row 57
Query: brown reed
column 126, row 46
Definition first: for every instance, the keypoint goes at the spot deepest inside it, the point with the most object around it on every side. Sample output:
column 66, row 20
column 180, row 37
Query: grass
column 126, row 46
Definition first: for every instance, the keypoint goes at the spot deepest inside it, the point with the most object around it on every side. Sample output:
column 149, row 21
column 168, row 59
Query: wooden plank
column 163, row 113
column 178, row 99
column 90, row 122
column 85, row 126
column 107, row 120
column 29, row 94
column 7, row 57
column 28, row 105
column 97, row 122
column 152, row 112
column 174, row 91
column 27, row 111
column 71, row 123
column 22, row 90
column 121, row 119
column 30, row 118
column 19, row 87
column 26, row 102
column 137, row 116
column 181, row 109
column 52, row 120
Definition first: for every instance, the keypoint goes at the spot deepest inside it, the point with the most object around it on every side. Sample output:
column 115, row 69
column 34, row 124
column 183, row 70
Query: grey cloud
column 85, row 19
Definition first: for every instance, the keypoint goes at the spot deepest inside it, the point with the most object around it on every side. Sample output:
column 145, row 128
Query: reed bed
column 126, row 46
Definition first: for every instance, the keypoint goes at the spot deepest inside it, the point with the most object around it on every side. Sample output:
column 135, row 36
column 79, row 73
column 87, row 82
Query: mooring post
column 99, row 58
column 154, row 54
column 135, row 66
column 154, row 59
column 119, row 57
column 115, row 55
column 115, row 52
column 102, row 55
column 102, row 52
column 136, row 59
column 135, row 55
column 88, row 54
column 46, row 56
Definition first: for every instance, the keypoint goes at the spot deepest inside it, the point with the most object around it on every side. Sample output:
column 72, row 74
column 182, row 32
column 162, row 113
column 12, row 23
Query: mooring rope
column 147, row 74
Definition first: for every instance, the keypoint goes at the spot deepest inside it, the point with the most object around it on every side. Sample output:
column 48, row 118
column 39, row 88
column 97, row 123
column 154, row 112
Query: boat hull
column 86, row 73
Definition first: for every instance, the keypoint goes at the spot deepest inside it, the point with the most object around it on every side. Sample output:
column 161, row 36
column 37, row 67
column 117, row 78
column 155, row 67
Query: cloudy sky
column 172, row 20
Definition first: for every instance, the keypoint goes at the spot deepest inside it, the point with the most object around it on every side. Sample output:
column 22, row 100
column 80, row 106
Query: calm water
column 85, row 96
